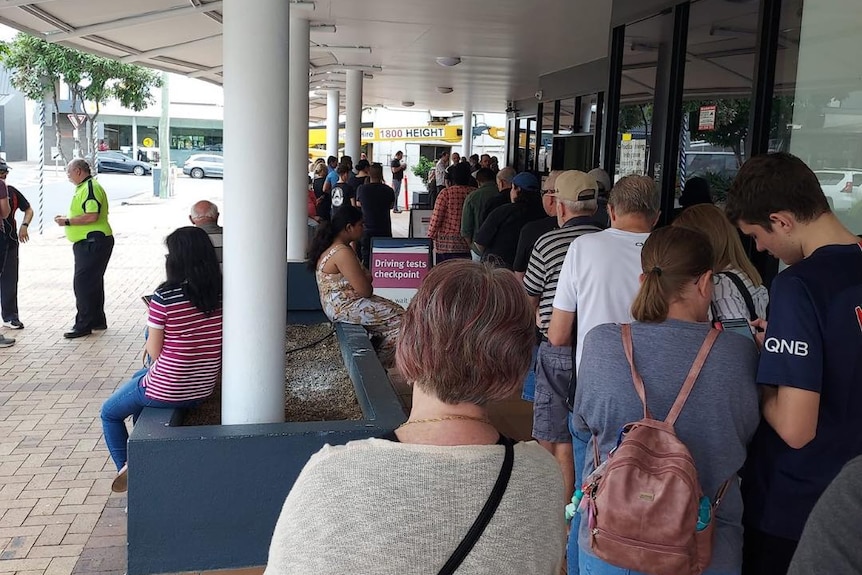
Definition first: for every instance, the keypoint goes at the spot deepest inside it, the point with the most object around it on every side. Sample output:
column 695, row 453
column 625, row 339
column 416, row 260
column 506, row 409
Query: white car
column 843, row 188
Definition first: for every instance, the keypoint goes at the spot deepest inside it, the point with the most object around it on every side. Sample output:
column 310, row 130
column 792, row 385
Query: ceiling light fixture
column 347, row 49
column 302, row 5
column 408, row 103
column 448, row 61
column 323, row 28
column 444, row 89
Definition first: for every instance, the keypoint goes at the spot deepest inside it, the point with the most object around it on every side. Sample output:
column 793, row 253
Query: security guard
column 92, row 243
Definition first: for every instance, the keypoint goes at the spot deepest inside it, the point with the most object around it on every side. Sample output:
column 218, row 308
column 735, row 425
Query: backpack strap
column 637, row 380
column 693, row 373
column 743, row 291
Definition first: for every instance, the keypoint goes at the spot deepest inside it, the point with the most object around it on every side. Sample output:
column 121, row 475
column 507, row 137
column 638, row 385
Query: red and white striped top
column 190, row 361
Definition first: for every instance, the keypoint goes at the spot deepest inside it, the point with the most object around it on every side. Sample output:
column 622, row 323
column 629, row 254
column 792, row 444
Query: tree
column 732, row 116
column 99, row 80
column 35, row 62
column 34, row 72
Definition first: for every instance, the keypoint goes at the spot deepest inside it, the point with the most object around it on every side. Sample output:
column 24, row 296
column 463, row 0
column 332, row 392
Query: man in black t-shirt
column 375, row 199
column 397, row 176
column 14, row 237
column 342, row 192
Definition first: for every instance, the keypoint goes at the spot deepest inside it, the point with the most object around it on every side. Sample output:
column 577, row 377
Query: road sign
column 76, row 119
column 55, row 152
column 149, row 142
column 706, row 120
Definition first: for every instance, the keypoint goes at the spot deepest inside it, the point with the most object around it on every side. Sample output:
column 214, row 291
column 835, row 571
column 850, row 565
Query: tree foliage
column 38, row 67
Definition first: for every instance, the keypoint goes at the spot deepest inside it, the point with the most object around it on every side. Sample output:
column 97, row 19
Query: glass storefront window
column 817, row 106
column 637, row 92
column 717, row 93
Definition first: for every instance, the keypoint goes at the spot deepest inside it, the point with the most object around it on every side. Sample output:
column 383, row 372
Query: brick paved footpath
column 56, row 507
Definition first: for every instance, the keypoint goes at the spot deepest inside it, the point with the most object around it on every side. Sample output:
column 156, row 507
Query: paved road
column 58, row 193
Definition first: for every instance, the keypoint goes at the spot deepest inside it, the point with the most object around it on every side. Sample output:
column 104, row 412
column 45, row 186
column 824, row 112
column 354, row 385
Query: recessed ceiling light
column 444, row 89
column 408, row 103
column 448, row 61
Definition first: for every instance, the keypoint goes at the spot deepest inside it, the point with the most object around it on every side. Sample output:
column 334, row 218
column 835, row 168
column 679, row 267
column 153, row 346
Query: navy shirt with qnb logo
column 813, row 342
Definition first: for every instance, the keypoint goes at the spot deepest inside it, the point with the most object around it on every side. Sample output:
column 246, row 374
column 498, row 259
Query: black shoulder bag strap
column 743, row 291
column 485, row 515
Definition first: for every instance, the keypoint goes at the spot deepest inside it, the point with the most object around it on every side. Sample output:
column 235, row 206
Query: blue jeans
column 529, row 390
column 129, row 399
column 592, row 565
column 579, row 448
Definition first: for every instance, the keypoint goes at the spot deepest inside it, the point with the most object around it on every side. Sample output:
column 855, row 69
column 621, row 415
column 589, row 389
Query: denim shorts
column 553, row 375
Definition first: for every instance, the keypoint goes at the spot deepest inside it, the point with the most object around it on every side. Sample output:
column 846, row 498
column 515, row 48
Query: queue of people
column 692, row 417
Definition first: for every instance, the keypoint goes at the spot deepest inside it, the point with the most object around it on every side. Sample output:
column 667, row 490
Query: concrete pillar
column 353, row 127
column 586, row 114
column 297, row 146
column 332, row 103
column 255, row 55
column 467, row 135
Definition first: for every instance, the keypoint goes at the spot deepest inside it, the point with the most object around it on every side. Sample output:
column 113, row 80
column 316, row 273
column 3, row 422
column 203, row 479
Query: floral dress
column 380, row 317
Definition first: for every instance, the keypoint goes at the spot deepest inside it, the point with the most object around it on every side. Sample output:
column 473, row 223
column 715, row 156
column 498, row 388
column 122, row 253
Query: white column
column 255, row 55
column 467, row 135
column 353, row 127
column 297, row 146
column 332, row 108
column 586, row 114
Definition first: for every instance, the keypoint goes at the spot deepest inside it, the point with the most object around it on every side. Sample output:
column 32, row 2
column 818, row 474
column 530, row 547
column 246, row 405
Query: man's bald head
column 204, row 212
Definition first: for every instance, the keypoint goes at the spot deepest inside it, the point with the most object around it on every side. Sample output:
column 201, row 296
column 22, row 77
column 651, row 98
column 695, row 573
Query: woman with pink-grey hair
column 445, row 490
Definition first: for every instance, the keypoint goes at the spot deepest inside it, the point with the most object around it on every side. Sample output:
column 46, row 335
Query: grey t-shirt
column 716, row 424
column 830, row 541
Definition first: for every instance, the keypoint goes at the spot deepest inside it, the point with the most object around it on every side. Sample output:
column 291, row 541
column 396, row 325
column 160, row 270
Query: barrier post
column 406, row 195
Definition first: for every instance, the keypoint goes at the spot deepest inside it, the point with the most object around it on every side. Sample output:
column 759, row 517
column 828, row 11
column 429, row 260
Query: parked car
column 842, row 187
column 204, row 166
column 111, row 161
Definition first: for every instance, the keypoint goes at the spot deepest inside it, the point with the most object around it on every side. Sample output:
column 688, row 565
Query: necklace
column 447, row 418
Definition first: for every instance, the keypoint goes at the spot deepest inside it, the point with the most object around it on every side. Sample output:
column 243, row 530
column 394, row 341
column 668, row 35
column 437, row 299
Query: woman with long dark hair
column 184, row 337
column 346, row 293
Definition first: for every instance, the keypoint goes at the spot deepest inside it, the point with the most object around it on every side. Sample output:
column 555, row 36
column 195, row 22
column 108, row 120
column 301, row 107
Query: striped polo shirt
column 190, row 361
column 547, row 258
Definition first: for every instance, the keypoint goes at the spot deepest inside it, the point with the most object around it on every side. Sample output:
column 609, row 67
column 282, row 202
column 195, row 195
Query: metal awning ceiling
column 504, row 45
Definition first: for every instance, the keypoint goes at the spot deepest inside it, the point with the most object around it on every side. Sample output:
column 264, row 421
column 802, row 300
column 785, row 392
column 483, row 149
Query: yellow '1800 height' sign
column 317, row 136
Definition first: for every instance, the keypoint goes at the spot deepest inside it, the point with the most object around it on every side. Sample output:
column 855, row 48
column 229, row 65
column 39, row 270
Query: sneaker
column 6, row 341
column 121, row 481
column 13, row 324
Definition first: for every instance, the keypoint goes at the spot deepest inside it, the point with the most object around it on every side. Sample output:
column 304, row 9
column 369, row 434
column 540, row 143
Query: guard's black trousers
column 91, row 260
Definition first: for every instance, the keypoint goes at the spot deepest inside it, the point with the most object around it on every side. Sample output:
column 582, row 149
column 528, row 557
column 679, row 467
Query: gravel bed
column 317, row 385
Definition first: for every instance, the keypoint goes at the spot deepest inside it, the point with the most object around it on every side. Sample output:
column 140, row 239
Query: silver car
column 204, row 166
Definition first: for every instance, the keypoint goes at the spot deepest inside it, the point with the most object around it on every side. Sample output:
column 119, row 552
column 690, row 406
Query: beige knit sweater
column 381, row 507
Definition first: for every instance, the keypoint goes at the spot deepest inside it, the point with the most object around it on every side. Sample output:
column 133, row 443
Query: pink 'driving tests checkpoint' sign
column 398, row 266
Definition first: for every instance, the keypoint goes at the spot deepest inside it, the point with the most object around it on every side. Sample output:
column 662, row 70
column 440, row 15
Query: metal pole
column 41, row 165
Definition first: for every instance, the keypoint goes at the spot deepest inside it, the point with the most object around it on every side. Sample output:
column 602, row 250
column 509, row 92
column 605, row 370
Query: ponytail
column 651, row 303
column 671, row 258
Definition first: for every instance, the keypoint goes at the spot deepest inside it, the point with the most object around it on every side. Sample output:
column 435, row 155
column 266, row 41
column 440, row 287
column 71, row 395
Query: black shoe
column 75, row 333
column 100, row 327
column 13, row 324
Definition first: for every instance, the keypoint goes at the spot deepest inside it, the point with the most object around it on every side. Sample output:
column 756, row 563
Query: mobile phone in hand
column 740, row 326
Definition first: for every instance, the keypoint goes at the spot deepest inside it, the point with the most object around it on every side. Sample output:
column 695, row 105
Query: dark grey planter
column 208, row 497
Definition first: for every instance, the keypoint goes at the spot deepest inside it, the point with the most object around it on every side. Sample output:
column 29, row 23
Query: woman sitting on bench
column 184, row 336
column 345, row 285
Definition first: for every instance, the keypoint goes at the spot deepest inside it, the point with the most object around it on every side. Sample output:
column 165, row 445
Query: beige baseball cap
column 575, row 186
